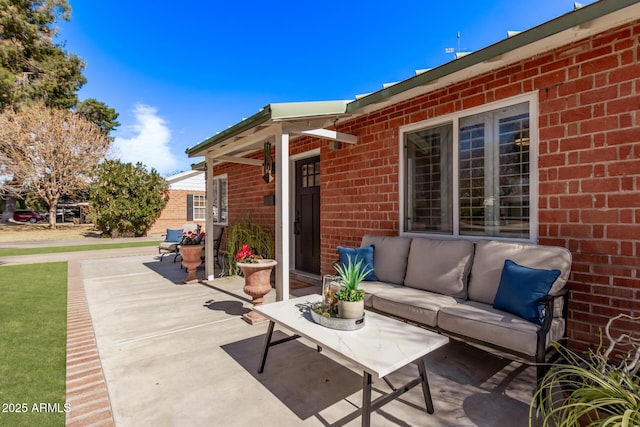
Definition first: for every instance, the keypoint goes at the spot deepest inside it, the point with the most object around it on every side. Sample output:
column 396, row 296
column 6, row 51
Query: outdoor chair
column 216, row 245
column 171, row 242
column 173, row 238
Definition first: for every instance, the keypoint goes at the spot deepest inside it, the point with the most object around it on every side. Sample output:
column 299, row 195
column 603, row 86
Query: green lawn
column 76, row 248
column 33, row 319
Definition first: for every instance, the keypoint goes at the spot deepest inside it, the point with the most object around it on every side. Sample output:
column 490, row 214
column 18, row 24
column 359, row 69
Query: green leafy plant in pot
column 351, row 298
column 246, row 232
column 591, row 389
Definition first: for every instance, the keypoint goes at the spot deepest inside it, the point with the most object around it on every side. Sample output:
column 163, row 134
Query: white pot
column 350, row 309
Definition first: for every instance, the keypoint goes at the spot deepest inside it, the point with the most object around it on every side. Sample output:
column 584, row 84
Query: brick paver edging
column 87, row 392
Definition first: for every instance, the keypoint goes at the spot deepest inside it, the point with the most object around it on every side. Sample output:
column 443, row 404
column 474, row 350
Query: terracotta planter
column 257, row 283
column 191, row 260
column 350, row 309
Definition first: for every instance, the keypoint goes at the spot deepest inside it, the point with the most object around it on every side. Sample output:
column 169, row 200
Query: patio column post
column 282, row 214
column 209, row 268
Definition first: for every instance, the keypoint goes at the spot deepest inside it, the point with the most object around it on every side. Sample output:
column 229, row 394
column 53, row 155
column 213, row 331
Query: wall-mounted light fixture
column 267, row 165
column 335, row 145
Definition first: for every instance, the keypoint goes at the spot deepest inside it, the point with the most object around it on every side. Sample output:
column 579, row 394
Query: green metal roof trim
column 292, row 110
column 557, row 25
column 200, row 166
column 257, row 119
column 275, row 112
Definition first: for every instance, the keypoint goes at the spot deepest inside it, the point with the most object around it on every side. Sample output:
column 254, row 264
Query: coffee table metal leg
column 425, row 386
column 267, row 344
column 366, row 399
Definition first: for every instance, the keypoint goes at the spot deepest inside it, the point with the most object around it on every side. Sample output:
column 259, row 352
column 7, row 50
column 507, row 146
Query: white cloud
column 149, row 143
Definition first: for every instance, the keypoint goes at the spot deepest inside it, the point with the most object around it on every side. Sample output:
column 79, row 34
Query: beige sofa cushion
column 389, row 257
column 489, row 259
column 412, row 304
column 484, row 323
column 440, row 266
column 372, row 287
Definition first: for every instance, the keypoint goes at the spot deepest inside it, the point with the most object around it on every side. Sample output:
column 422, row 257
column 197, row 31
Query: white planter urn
column 350, row 309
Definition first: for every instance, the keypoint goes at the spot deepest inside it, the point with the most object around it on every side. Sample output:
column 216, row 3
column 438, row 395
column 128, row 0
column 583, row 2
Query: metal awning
column 276, row 124
column 296, row 118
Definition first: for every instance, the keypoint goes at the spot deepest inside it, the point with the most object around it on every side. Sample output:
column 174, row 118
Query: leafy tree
column 99, row 113
column 126, row 198
column 33, row 69
column 32, row 66
column 49, row 150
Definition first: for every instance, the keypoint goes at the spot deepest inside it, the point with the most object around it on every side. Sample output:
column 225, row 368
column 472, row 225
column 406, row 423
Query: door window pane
column 310, row 174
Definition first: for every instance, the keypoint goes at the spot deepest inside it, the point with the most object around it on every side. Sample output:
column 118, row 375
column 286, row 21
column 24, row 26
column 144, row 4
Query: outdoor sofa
column 459, row 288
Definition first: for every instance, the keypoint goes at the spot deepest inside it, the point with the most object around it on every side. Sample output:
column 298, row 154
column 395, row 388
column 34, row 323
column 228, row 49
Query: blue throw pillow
column 521, row 288
column 174, row 235
column 365, row 254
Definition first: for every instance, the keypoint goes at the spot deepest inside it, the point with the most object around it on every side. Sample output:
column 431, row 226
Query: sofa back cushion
column 440, row 266
column 490, row 256
column 389, row 257
column 363, row 255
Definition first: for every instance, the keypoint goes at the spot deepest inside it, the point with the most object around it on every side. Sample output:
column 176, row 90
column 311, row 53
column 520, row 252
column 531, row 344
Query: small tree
column 49, row 150
column 126, row 199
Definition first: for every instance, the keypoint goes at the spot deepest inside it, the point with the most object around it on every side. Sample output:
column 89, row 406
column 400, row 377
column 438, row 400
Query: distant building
column 186, row 202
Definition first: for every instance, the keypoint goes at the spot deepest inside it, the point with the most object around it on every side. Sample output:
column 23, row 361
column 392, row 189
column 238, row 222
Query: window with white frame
column 469, row 174
column 220, row 200
column 199, row 207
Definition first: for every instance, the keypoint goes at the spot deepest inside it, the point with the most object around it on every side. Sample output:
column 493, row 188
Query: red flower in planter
column 245, row 255
column 191, row 238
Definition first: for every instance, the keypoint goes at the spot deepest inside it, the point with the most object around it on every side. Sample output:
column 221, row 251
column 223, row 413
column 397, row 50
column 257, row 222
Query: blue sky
column 179, row 72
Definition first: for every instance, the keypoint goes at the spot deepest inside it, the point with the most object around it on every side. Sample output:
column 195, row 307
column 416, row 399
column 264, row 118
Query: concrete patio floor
column 181, row 355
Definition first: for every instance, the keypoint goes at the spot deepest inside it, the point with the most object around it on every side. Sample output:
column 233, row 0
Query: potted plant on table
column 591, row 389
column 351, row 298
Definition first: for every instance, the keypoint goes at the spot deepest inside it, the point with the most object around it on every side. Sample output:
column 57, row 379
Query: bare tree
column 49, row 150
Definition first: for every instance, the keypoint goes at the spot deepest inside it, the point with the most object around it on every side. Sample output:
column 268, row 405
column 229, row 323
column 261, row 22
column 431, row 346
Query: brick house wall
column 246, row 191
column 588, row 166
column 175, row 212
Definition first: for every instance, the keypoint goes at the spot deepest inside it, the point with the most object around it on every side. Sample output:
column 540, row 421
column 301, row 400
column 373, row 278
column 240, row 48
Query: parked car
column 64, row 215
column 28, row 215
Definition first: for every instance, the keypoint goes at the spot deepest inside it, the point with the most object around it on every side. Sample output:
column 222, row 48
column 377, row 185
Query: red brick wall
column 246, row 191
column 589, row 168
column 590, row 173
column 174, row 213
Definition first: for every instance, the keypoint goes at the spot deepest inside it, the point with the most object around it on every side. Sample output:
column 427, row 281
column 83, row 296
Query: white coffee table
column 381, row 347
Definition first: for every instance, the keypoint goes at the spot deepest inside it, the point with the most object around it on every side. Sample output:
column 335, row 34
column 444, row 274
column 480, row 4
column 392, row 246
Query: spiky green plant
column 246, row 232
column 351, row 274
column 588, row 390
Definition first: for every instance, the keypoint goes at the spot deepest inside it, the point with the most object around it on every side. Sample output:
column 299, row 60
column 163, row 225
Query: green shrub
column 126, row 199
column 246, row 232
